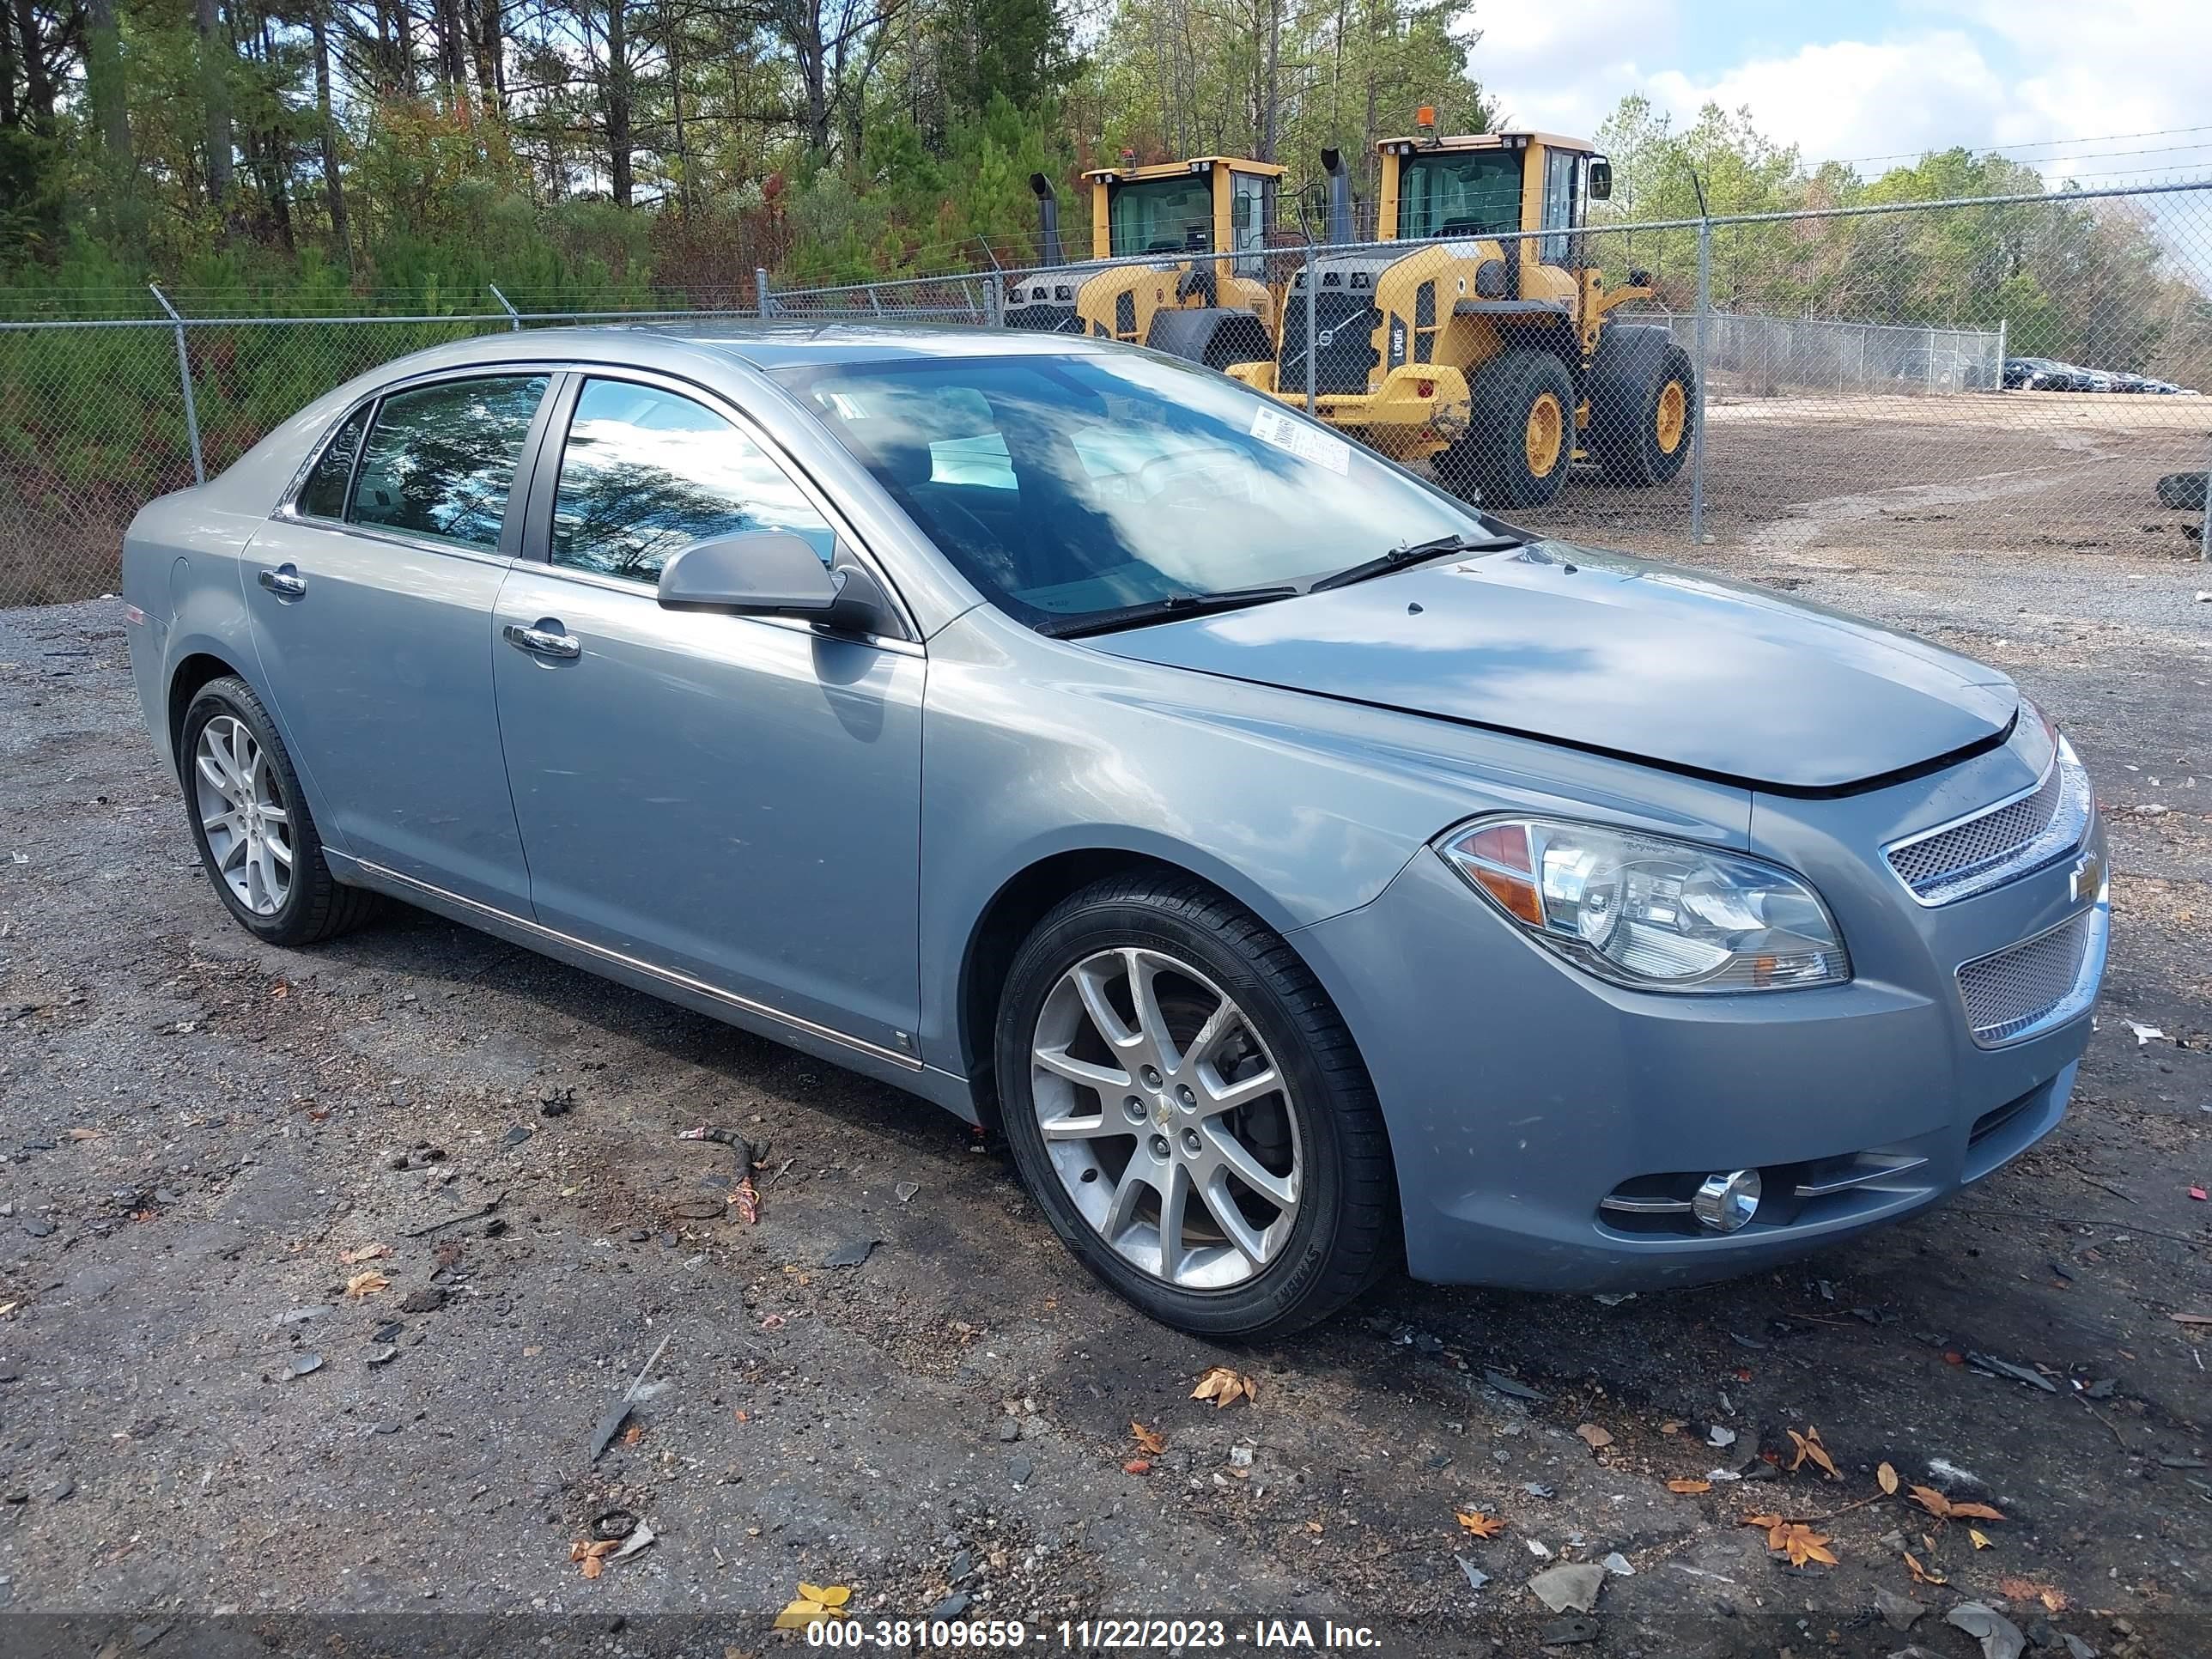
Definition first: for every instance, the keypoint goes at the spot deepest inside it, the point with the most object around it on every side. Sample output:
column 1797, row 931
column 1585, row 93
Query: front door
column 373, row 599
column 736, row 798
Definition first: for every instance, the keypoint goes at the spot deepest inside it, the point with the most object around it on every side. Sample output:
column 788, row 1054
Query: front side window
column 440, row 458
column 1163, row 215
column 323, row 494
column 1471, row 193
column 1066, row 487
column 1562, row 202
column 646, row 473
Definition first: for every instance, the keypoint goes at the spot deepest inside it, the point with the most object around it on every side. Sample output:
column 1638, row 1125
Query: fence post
column 760, row 288
column 184, row 375
column 2004, row 327
column 514, row 316
column 2204, row 528
column 1312, row 346
column 994, row 300
column 1698, row 428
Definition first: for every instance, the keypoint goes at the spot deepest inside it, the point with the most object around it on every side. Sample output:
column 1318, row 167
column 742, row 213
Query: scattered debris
column 1570, row 1585
column 383, row 1354
column 1476, row 1578
column 1721, row 1438
column 905, row 1190
column 1572, row 1629
column 612, row 1420
column 481, row 1210
column 1898, row 1612
column 1225, row 1386
column 428, row 1300
column 1999, row 1636
column 851, row 1253
column 516, row 1136
column 559, row 1105
column 1506, row 1385
column 1996, row 1367
column 2144, row 1033
column 1618, row 1566
column 1595, row 1438
column 302, row 1364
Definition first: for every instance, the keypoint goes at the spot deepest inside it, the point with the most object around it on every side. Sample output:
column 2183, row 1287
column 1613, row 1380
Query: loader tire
column 2183, row 490
column 1521, row 439
column 1644, row 406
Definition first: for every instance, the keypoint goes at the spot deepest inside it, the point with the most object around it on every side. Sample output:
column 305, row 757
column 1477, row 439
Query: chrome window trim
column 2025, row 859
column 385, row 875
column 2087, row 974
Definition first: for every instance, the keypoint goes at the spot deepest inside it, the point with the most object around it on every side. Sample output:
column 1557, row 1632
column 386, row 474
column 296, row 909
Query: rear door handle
column 545, row 640
column 285, row 582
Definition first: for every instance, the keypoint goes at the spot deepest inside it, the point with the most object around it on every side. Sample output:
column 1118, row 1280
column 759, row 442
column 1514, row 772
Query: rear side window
column 324, row 496
column 646, row 473
column 440, row 458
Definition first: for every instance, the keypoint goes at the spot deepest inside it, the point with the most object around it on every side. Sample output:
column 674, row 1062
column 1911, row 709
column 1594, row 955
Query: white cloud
column 1981, row 73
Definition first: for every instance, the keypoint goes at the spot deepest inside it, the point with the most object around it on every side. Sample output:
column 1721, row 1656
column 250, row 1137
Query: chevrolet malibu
column 1304, row 871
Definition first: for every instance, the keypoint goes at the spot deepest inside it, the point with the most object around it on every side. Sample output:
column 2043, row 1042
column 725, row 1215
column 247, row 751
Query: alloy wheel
column 244, row 814
column 1166, row 1119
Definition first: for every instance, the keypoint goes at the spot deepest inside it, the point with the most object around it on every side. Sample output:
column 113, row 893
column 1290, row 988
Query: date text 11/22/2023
column 1095, row 1635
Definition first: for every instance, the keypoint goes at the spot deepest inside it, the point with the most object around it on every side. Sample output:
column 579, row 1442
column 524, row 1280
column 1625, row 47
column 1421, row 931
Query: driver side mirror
column 773, row 573
column 1600, row 179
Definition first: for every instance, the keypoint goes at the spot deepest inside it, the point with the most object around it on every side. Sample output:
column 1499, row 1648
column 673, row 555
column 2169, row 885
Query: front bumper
column 1520, row 1094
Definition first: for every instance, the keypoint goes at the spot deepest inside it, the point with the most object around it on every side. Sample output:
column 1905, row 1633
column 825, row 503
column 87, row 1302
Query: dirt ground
column 197, row 1416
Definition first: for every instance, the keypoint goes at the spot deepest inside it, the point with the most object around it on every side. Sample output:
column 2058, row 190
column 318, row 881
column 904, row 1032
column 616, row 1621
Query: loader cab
column 1492, row 184
column 1216, row 204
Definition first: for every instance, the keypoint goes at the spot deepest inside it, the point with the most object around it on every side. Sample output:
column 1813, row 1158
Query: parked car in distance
column 1303, row 869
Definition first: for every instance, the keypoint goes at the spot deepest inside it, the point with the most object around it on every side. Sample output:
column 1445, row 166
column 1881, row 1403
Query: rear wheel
column 1643, row 411
column 251, row 824
column 1521, row 439
column 1189, row 1110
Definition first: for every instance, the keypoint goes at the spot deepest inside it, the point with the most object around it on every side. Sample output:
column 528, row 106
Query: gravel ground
column 199, row 1414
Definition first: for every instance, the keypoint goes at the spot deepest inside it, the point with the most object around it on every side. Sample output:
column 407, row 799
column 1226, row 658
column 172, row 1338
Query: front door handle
column 285, row 582
column 545, row 640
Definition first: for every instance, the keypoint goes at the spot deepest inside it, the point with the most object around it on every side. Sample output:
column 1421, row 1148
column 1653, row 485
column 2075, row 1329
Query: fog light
column 1725, row 1202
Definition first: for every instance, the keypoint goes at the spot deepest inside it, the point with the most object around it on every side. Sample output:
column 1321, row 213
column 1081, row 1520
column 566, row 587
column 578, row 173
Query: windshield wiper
column 1399, row 557
column 1149, row 610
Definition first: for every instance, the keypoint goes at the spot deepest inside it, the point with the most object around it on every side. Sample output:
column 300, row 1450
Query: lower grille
column 2039, row 983
column 1346, row 325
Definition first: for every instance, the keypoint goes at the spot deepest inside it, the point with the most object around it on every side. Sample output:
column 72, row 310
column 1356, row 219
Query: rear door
column 371, row 593
column 736, row 798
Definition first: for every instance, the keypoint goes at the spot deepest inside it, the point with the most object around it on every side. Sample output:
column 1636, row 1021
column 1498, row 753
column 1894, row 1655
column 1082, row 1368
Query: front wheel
column 1186, row 1108
column 1521, row 437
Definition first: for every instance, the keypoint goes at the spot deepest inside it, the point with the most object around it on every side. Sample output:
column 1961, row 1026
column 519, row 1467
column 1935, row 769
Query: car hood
column 1606, row 653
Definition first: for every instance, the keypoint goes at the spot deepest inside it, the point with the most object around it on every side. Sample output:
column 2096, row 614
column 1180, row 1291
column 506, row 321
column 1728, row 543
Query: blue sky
column 2053, row 81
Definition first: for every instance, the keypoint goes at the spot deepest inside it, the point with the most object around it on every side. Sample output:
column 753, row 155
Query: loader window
column 1563, row 204
column 1163, row 215
column 1471, row 193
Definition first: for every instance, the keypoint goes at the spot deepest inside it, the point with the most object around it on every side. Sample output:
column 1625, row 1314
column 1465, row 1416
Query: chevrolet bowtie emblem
column 2087, row 879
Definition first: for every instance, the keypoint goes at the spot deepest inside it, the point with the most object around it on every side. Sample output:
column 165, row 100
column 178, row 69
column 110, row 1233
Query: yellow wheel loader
column 1205, row 297
column 1489, row 350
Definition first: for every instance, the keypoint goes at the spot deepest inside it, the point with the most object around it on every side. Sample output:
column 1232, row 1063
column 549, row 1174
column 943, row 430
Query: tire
column 1317, row 1136
column 1644, row 405
column 1520, row 434
column 302, row 904
column 2183, row 490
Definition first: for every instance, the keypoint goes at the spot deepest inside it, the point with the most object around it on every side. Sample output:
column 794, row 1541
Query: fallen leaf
column 593, row 1554
column 1801, row 1544
column 1673, row 1426
column 366, row 1253
column 1481, row 1525
column 2028, row 1589
column 1596, row 1438
column 1225, row 1388
column 1887, row 1478
column 633, row 1434
column 1975, row 1512
column 1981, row 1539
column 1808, row 1446
column 1933, row 1501
column 1153, row 1442
column 1921, row 1575
column 1688, row 1487
column 829, row 1596
column 814, row 1603
column 366, row 1282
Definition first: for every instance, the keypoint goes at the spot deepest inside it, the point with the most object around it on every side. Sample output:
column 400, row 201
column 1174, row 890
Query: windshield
column 1071, row 486
column 1472, row 193
column 1162, row 216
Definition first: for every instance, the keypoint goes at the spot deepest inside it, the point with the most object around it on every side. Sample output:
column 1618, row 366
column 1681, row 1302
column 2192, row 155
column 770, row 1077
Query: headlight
column 1648, row 913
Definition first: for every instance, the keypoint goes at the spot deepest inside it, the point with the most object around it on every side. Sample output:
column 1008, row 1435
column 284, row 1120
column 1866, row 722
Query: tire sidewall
column 1276, row 1293
column 1495, row 452
column 233, row 697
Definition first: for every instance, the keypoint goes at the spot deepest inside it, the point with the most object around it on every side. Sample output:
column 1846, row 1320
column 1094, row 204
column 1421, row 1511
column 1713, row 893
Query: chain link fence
column 1976, row 377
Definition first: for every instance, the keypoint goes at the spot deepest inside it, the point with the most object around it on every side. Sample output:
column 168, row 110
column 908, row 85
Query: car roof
column 785, row 344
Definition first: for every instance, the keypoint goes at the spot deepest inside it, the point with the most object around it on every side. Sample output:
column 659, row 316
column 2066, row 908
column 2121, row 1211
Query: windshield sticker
column 1272, row 426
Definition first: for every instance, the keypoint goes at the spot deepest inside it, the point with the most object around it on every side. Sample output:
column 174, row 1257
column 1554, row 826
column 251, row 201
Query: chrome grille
column 2011, row 839
column 2038, row 982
